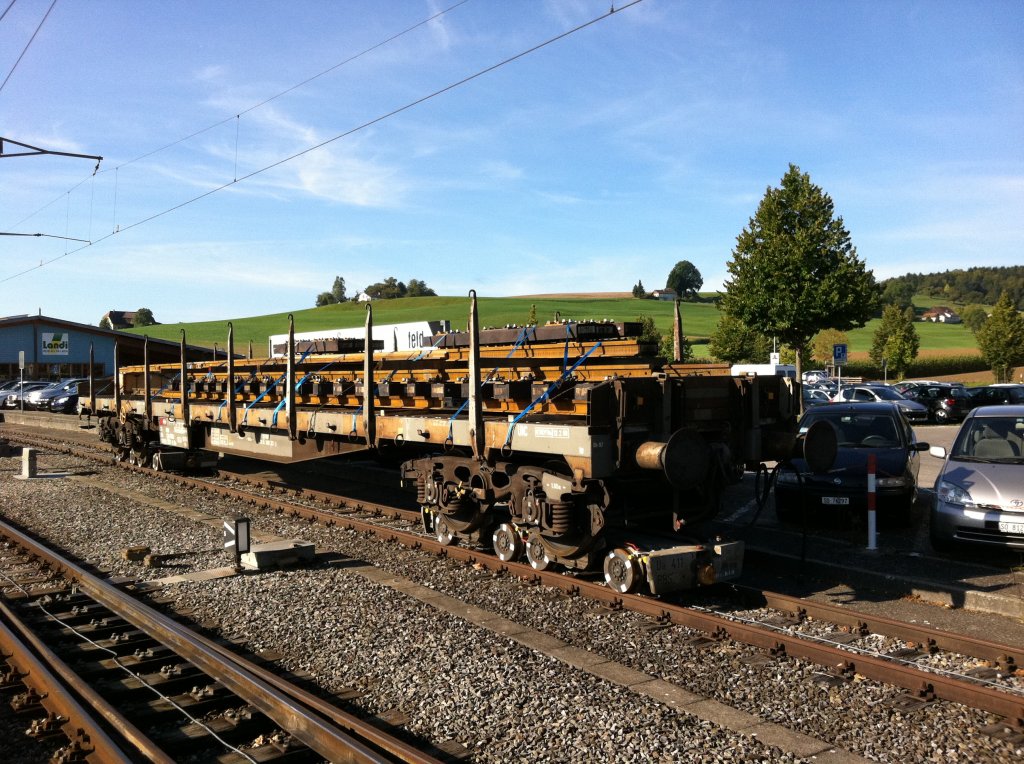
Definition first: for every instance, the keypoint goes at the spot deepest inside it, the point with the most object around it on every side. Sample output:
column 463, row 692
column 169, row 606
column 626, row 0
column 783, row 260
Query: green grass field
column 699, row 320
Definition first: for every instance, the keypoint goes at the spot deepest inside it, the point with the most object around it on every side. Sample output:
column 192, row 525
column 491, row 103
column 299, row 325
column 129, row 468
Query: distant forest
column 972, row 286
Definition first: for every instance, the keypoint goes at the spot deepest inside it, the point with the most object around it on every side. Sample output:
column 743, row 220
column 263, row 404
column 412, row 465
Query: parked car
column 979, row 493
column 905, row 385
column 41, row 399
column 946, row 403
column 994, row 395
column 814, row 397
column 912, row 410
column 11, row 399
column 815, row 376
column 861, row 429
column 66, row 402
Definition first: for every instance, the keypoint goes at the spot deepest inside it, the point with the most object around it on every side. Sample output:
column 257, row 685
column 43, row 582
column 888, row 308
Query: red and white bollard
column 872, row 514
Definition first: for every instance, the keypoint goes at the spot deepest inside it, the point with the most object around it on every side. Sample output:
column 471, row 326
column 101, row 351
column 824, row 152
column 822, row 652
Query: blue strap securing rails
column 544, row 396
column 280, row 379
column 523, row 333
column 154, row 395
column 224, row 402
column 273, row 421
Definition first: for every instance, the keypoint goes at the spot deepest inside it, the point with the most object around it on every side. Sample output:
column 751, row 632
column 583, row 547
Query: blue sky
column 602, row 159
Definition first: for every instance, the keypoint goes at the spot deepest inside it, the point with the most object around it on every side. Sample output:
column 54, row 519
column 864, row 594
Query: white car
column 815, row 377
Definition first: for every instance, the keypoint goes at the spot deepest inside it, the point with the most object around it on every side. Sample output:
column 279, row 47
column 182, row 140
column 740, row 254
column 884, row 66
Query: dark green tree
column 732, row 341
column 974, row 317
column 898, row 292
column 338, row 290
column 794, row 269
column 895, row 341
column 639, row 292
column 685, row 279
column 387, row 289
column 1001, row 339
column 144, row 317
column 419, row 288
column 649, row 334
column 325, row 298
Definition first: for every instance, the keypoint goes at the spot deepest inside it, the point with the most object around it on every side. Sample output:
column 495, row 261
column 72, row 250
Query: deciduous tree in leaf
column 794, row 270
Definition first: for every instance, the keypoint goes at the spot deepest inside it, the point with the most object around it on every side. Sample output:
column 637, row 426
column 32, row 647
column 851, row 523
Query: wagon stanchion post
column 872, row 514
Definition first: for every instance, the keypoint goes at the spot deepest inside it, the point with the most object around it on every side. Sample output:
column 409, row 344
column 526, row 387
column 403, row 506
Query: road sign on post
column 236, row 536
column 839, row 360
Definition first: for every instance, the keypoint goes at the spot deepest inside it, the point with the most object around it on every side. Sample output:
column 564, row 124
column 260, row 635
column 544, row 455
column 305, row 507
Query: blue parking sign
column 839, row 355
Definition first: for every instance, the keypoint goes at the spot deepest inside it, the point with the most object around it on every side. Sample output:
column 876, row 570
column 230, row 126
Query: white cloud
column 501, row 170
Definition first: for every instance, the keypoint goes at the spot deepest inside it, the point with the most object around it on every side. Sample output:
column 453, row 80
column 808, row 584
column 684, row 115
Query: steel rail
column 1008, row 656
column 926, row 684
column 80, row 725
column 334, row 744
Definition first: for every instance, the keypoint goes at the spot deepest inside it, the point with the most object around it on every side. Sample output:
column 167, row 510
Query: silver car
column 979, row 493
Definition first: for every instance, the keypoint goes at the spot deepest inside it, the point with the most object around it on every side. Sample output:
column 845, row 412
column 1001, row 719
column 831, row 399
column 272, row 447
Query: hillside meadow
column 699, row 320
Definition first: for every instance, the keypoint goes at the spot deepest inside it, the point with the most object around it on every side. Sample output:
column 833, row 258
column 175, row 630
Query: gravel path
column 457, row 681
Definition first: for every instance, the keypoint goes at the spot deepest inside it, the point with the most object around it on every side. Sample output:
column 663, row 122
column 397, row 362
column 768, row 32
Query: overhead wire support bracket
column 36, row 151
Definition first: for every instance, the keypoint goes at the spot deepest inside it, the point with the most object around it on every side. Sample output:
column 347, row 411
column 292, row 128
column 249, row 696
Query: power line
column 9, row 6
column 264, row 102
column 33, row 37
column 369, row 123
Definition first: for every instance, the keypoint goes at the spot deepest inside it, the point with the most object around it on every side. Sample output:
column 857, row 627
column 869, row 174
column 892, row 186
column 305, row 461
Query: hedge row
column 935, row 366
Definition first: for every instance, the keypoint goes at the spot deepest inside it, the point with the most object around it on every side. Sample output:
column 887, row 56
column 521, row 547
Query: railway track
column 846, row 644
column 128, row 683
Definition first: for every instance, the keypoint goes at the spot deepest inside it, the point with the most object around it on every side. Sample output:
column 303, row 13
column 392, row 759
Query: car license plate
column 838, row 500
column 1015, row 528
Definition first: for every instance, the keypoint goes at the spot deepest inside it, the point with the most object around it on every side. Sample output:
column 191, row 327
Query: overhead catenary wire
column 9, row 6
column 351, row 131
column 255, row 106
column 27, row 45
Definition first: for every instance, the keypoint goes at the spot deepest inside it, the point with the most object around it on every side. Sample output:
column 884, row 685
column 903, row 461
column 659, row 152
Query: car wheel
column 941, row 416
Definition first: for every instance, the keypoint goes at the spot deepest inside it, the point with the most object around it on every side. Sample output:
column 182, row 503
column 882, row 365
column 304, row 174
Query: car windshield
column 994, row 439
column 858, row 430
column 887, row 394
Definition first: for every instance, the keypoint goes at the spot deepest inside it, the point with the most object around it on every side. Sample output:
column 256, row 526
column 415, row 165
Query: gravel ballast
column 453, row 680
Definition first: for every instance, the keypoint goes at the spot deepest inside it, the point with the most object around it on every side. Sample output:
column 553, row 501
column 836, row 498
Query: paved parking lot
column 740, row 510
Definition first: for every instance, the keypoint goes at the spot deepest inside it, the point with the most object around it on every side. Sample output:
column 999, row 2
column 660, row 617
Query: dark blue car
column 861, row 429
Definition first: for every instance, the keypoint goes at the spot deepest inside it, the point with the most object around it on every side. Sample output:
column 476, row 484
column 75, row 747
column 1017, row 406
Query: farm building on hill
column 940, row 314
column 118, row 319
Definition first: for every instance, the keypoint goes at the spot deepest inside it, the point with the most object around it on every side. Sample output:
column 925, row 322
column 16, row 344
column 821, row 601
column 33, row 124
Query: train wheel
column 445, row 534
column 621, row 571
column 508, row 544
column 536, row 553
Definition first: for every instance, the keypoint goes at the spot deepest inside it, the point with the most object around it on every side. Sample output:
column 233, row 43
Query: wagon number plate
column 839, row 500
column 1015, row 528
